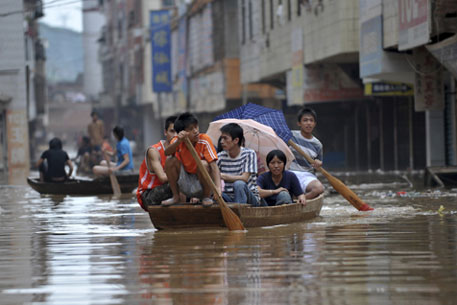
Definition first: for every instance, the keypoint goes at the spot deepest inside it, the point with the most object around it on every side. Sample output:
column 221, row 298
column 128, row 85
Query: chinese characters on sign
column 18, row 153
column 161, row 51
column 428, row 86
column 413, row 23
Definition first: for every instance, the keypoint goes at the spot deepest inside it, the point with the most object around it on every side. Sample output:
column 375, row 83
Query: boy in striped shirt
column 305, row 139
column 238, row 167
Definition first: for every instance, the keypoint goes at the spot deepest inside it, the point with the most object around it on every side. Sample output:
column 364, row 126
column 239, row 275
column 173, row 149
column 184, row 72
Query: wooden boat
column 196, row 216
column 96, row 186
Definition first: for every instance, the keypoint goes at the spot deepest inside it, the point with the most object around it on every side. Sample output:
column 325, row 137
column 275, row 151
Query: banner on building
column 161, row 50
column 446, row 53
column 182, row 84
column 388, row 89
column 17, row 143
column 294, row 77
column 414, row 23
column 371, row 51
column 428, row 85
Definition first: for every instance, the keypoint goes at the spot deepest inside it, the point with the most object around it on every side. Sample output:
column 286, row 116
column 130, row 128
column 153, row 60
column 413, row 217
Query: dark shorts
column 156, row 195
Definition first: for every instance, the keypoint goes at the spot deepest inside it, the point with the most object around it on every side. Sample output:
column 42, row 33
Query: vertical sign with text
column 413, row 23
column 18, row 146
column 161, row 50
column 428, row 85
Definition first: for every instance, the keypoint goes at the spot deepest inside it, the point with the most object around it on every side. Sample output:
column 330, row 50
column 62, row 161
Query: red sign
column 413, row 23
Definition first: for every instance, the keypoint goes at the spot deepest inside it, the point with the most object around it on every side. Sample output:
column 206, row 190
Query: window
column 263, row 16
column 289, row 10
column 272, row 14
column 251, row 30
column 243, row 22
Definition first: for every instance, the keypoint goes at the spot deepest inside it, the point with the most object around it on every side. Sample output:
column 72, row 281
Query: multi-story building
column 93, row 21
column 350, row 61
column 22, row 93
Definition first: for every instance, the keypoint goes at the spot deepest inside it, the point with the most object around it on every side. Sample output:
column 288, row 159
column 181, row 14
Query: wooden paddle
column 339, row 186
column 112, row 177
column 232, row 221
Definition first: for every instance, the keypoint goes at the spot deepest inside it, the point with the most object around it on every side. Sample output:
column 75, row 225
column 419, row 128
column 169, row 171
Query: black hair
column 170, row 120
column 86, row 140
column 306, row 110
column 118, row 132
column 55, row 143
column 94, row 112
column 235, row 131
column 184, row 121
column 219, row 145
column 277, row 153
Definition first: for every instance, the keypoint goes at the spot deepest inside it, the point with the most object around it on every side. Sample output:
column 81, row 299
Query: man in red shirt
column 181, row 169
column 152, row 183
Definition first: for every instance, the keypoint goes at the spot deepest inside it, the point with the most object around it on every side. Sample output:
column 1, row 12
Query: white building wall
column 148, row 97
column 330, row 33
column 13, row 85
column 93, row 21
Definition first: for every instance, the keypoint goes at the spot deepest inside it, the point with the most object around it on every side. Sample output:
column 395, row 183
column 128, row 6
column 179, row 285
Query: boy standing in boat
column 238, row 167
column 305, row 139
column 181, row 169
column 152, row 184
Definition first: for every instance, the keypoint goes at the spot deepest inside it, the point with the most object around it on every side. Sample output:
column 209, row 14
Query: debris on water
column 441, row 209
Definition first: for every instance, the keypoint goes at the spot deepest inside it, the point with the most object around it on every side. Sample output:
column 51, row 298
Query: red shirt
column 148, row 180
column 204, row 147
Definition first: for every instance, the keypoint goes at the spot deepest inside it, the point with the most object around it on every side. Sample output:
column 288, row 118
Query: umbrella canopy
column 267, row 116
column 261, row 138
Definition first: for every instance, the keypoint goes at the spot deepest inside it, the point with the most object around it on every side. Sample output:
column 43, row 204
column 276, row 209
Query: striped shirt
column 312, row 147
column 245, row 162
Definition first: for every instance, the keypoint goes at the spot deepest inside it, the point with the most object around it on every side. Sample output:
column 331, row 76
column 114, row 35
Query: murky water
column 96, row 250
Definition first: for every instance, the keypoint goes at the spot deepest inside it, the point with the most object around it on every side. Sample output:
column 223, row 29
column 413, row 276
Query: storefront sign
column 413, row 23
column 17, row 143
column 295, row 76
column 388, row 89
column 428, row 86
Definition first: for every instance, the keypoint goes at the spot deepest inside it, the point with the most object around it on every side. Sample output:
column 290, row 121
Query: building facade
column 22, row 85
column 356, row 63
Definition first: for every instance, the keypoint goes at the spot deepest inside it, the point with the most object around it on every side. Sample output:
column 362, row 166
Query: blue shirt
column 289, row 181
column 122, row 148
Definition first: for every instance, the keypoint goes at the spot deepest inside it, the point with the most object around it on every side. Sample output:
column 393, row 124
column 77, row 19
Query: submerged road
column 97, row 250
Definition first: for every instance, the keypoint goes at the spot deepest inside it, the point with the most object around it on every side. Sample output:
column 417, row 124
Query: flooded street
column 97, row 250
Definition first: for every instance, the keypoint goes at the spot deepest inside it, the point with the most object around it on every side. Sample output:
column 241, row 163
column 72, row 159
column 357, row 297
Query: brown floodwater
column 100, row 250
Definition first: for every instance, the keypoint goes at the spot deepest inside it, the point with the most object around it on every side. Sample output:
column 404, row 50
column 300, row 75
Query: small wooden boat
column 97, row 186
column 196, row 216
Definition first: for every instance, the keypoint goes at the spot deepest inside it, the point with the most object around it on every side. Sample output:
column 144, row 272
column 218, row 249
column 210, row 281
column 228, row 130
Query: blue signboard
column 161, row 50
column 371, row 50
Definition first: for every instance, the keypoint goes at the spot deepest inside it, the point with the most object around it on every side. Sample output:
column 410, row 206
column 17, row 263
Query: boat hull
column 196, row 216
column 97, row 186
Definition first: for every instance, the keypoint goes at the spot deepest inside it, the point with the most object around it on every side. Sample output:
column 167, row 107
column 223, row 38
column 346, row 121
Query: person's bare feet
column 194, row 200
column 170, row 201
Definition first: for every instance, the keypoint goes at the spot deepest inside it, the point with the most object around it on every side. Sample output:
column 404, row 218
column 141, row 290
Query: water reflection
column 89, row 250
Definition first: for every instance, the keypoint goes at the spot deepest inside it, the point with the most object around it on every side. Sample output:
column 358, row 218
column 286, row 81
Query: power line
column 51, row 4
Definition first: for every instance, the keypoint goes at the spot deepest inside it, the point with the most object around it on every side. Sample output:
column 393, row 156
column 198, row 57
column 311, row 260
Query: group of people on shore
column 169, row 174
column 93, row 154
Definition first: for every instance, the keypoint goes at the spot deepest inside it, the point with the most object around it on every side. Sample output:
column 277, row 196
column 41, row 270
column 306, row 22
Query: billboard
column 414, row 23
